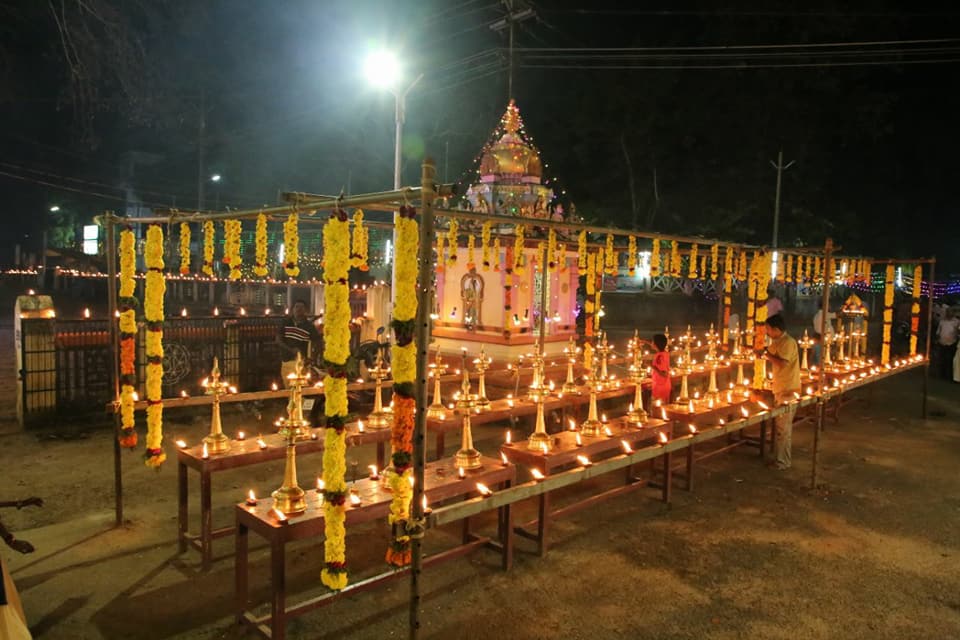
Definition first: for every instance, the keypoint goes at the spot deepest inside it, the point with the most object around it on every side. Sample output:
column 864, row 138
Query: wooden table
column 563, row 454
column 243, row 453
column 441, row 484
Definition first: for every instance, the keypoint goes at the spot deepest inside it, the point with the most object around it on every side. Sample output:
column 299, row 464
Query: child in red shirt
column 661, row 370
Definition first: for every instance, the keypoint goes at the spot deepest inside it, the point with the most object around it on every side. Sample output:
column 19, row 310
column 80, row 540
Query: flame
column 241, row 435
column 537, row 474
column 663, row 438
column 321, row 485
column 693, row 429
column 262, row 443
column 796, row 396
column 360, row 426
column 696, row 395
column 183, row 393
column 181, row 444
column 509, row 438
column 510, row 402
column 279, row 515
column 579, row 440
column 690, row 407
column 274, row 386
column 136, row 396
column 663, row 413
column 722, row 422
column 206, row 452
column 544, row 448
column 411, row 480
column 423, row 503
column 461, row 473
column 232, row 389
column 745, row 412
column 572, row 424
column 183, row 312
column 503, row 457
column 763, row 405
column 603, row 417
column 86, row 313
column 373, row 470
column 630, row 408
column 354, row 500
column 626, row 446
column 484, row 490
column 584, row 460
column 809, row 391
column 251, row 496
column 216, row 311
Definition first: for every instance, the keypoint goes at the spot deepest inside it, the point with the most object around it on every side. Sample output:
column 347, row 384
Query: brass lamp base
column 297, row 430
column 379, row 420
column 570, row 388
column 289, row 500
column 637, row 416
column 467, row 459
column 482, row 402
column 539, row 441
column 217, row 442
column 436, row 412
column 591, row 428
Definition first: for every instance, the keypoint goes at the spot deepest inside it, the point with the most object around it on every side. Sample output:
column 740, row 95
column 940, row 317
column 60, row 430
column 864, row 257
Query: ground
column 753, row 553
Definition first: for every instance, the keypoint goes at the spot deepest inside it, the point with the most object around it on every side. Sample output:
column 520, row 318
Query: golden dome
column 510, row 156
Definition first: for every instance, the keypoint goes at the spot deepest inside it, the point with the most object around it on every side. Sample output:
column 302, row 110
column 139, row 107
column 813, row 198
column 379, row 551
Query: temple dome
column 511, row 158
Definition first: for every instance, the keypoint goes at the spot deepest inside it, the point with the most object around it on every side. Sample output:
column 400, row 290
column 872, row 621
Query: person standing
column 947, row 334
column 660, row 371
column 783, row 356
column 821, row 340
column 13, row 622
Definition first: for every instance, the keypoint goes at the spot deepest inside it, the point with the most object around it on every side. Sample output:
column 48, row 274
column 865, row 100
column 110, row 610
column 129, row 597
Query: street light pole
column 776, row 204
column 401, row 116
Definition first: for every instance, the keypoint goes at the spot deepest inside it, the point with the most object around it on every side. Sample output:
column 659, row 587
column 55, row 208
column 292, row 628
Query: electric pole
column 201, row 132
column 776, row 204
column 512, row 17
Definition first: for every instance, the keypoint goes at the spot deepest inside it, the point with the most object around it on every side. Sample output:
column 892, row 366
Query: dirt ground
column 753, row 553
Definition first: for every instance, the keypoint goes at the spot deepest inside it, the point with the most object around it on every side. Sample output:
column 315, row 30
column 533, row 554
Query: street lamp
column 383, row 71
column 54, row 209
column 215, row 179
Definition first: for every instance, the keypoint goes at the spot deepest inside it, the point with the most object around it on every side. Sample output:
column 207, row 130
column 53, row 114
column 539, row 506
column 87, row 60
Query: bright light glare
column 382, row 69
column 54, row 209
column 215, row 177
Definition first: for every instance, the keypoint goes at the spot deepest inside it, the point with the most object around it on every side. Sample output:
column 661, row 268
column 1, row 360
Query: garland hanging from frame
column 291, row 245
column 209, row 237
column 128, row 338
column 632, row 256
column 888, row 290
column 485, row 245
column 655, row 258
column 759, row 281
column 452, row 240
column 184, row 248
column 360, row 242
column 582, row 250
column 336, row 336
column 404, row 377
column 153, row 313
column 915, row 309
column 260, row 243
column 231, row 247
column 692, row 265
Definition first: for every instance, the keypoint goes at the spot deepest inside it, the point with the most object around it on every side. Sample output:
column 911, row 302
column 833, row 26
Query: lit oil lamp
column 537, row 474
column 626, row 446
column 663, row 438
column 251, row 499
column 484, row 490
column 584, row 460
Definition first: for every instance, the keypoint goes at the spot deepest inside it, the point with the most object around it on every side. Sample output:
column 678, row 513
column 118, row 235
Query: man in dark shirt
column 297, row 335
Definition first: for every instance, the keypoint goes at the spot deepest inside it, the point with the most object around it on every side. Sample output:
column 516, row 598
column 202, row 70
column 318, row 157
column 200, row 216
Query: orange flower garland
column 128, row 339
column 915, row 309
column 153, row 313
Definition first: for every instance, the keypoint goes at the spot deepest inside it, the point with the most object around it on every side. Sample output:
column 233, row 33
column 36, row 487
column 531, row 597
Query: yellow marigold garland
column 128, row 338
column 591, row 287
column 742, row 266
column 453, row 241
column 291, row 246
column 471, row 258
column 632, row 256
column 888, row 289
column 404, row 375
column 759, row 281
column 441, row 251
column 209, row 236
column 703, row 267
column 655, row 258
column 184, row 248
column 727, row 293
column 675, row 259
column 336, row 335
column 692, row 266
column 915, row 309
column 153, row 313
column 551, row 260
column 231, row 247
column 582, row 250
column 260, row 246
column 518, row 250
column 496, row 254
column 714, row 261
column 485, row 245
column 359, row 252
column 608, row 266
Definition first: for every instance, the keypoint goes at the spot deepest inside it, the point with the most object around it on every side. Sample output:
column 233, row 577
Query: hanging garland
column 742, row 266
column 655, row 258
column 441, row 251
column 675, row 259
column 560, row 256
column 128, row 338
column 798, row 276
column 291, row 245
column 336, row 350
column 153, row 314
column 759, row 281
column 887, row 314
column 818, row 270
column 471, row 263
column 780, row 268
column 209, row 233
column 507, row 287
column 496, row 254
column 360, row 243
column 404, row 374
column 915, row 309
column 518, row 251
column 609, row 265
column 632, row 256
column 485, row 244
column 692, row 265
column 703, row 266
column 453, row 242
column 591, row 288
column 551, row 259
column 231, row 247
column 727, row 293
column 582, row 250
column 260, row 242
column 714, row 261
column 184, row 248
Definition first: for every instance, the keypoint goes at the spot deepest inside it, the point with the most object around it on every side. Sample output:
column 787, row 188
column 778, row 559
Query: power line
column 812, row 45
column 860, row 63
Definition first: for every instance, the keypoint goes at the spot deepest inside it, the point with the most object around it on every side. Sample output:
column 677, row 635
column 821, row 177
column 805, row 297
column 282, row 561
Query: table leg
column 441, row 436
column 278, row 585
column 206, row 520
column 466, row 530
column 506, row 533
column 182, row 501
column 381, row 456
column 773, row 438
column 763, row 439
column 667, row 476
column 690, row 467
column 543, row 524
column 241, row 570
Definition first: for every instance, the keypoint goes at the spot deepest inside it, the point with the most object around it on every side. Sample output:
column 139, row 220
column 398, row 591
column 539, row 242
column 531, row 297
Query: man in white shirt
column 817, row 319
column 947, row 333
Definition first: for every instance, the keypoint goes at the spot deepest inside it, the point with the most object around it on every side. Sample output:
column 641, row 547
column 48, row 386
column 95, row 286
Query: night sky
column 106, row 100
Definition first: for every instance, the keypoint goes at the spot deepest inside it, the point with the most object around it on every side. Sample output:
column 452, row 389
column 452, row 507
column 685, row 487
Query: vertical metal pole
column 544, row 282
column 822, row 381
column 111, row 250
column 424, row 306
column 926, row 364
column 401, row 99
column 776, row 202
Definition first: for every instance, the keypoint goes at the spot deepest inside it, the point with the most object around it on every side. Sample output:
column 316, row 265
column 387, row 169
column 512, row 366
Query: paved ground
column 875, row 553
